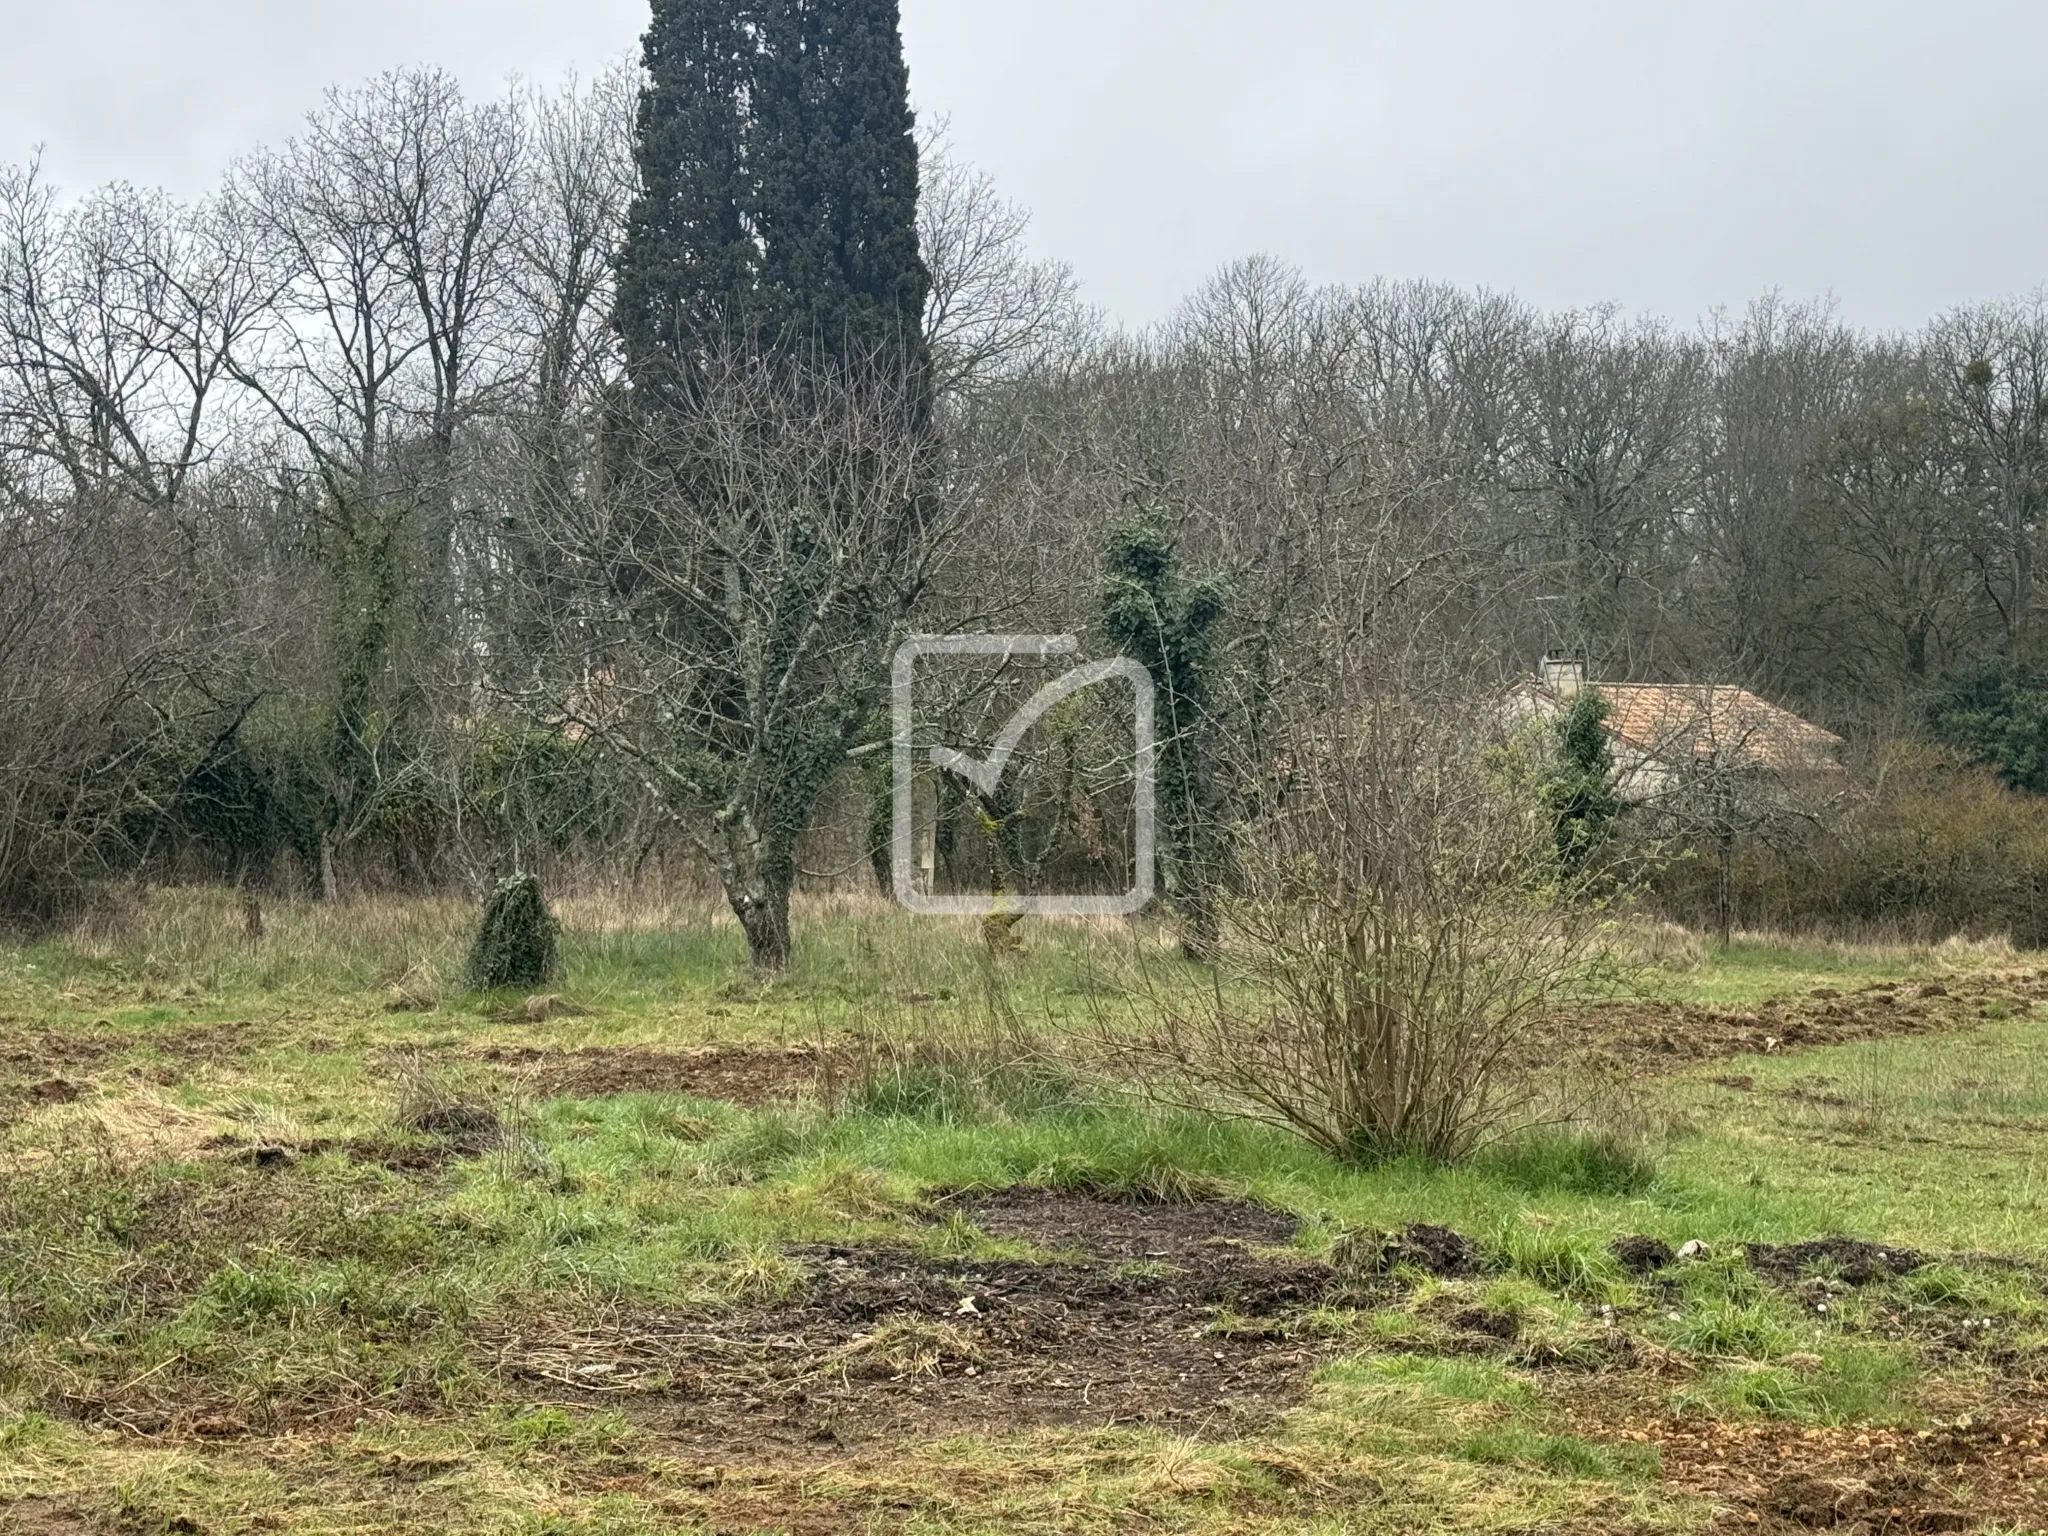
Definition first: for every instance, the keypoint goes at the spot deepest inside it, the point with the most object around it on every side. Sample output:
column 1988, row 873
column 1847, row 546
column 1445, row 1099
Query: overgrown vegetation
column 1581, row 790
column 1917, row 844
column 264, row 1268
column 1172, row 624
column 689, row 407
column 1399, row 923
column 1996, row 715
column 516, row 943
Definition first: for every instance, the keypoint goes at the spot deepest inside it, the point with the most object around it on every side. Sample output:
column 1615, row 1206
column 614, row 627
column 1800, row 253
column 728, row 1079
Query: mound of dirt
column 1642, row 1255
column 1848, row 1259
column 1665, row 1037
column 1434, row 1250
column 1170, row 1319
column 1487, row 1323
column 737, row 1074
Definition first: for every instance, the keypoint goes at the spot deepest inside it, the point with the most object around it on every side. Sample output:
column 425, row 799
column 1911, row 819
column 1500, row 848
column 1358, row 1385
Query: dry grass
column 132, row 1129
column 350, row 1341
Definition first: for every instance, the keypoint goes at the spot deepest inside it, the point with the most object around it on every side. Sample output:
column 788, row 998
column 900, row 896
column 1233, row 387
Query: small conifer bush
column 517, row 944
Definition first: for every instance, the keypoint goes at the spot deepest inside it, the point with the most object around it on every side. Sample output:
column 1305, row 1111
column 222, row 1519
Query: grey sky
column 1670, row 156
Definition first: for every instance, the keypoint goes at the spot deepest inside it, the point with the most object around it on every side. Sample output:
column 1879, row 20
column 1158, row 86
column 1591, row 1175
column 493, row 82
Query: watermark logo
column 985, row 771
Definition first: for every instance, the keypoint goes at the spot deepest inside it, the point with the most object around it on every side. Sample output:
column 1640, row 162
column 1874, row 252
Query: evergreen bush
column 518, row 942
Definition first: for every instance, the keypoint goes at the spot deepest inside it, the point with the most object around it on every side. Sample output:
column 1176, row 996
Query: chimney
column 1562, row 676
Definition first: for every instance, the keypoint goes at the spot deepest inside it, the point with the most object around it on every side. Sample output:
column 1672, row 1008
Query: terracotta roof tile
column 1675, row 721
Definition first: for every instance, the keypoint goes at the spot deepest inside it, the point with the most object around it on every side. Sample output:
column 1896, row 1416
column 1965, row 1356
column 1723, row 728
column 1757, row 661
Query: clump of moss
column 518, row 944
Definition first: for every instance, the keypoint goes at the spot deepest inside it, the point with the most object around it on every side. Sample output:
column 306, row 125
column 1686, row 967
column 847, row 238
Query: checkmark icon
column 985, row 772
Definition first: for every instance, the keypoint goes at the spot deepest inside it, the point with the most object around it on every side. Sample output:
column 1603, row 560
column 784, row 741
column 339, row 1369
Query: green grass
column 144, row 1270
column 1753, row 969
column 1934, row 1141
column 1841, row 1384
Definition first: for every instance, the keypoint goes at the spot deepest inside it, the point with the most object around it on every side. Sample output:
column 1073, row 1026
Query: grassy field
column 296, row 1236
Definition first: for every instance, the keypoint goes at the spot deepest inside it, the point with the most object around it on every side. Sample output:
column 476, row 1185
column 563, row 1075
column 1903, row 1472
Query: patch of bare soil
column 1848, row 1259
column 879, row 1344
column 41, row 1065
column 737, row 1074
column 1060, row 1221
column 1977, row 1472
column 35, row 1050
column 442, row 1140
column 201, row 1043
column 1665, row 1037
column 37, row 1516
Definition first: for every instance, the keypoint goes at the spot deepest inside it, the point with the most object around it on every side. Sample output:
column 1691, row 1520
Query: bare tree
column 1892, row 490
column 1994, row 362
column 98, row 656
column 117, row 314
column 117, row 319
column 386, row 235
column 991, row 309
column 1608, row 411
column 736, row 591
column 1776, row 381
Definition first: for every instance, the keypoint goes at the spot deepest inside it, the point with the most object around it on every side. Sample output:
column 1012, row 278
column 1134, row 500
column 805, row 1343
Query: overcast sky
column 1671, row 156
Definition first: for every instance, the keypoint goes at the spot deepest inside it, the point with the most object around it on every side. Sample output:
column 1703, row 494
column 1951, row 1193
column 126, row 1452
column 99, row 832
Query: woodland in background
column 325, row 550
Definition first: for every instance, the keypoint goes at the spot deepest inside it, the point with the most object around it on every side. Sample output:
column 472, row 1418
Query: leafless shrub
column 433, row 1103
column 1402, row 921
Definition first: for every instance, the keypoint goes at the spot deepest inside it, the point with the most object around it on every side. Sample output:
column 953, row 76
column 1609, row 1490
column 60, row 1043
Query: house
column 1667, row 736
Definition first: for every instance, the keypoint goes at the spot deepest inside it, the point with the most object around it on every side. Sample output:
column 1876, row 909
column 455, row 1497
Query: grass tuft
column 954, row 1082
column 1518, row 1445
column 1569, row 1164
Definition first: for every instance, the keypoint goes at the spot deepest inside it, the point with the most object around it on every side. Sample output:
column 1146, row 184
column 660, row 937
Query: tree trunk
column 1725, row 901
column 764, row 917
column 757, row 879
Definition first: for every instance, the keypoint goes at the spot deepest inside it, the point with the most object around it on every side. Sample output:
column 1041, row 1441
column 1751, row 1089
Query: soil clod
column 1643, row 1255
column 1434, row 1250
column 1849, row 1259
column 1488, row 1322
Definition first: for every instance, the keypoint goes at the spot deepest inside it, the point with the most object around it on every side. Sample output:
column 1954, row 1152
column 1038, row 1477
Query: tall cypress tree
column 836, row 185
column 687, row 266
column 778, row 205
column 778, row 219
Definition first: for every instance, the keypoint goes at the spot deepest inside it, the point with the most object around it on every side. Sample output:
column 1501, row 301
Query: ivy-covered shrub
column 518, row 943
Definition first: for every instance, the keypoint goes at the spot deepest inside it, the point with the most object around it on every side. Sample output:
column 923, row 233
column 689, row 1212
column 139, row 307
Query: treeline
column 353, row 528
